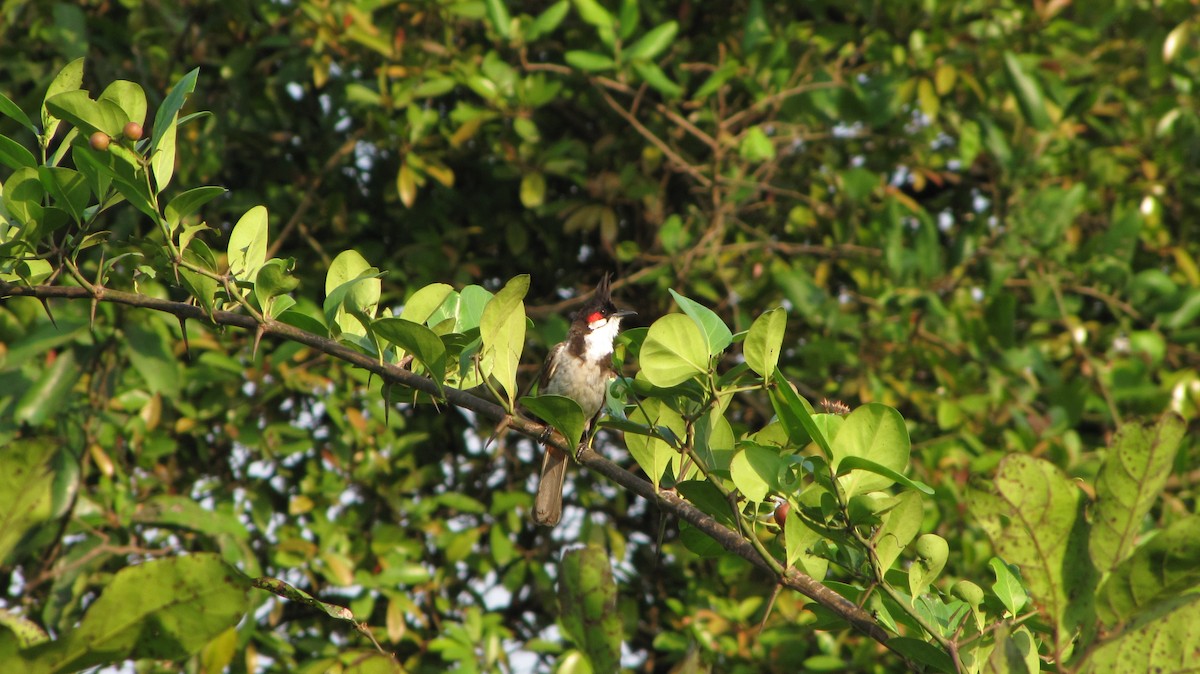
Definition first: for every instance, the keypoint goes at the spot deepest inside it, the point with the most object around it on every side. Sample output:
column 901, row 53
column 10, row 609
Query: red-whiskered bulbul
column 579, row 368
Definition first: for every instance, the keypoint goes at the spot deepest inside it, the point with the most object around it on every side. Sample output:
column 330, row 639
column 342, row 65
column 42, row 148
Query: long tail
column 547, row 506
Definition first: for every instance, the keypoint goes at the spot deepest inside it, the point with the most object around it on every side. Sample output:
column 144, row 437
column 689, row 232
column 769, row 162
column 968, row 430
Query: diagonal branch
column 668, row 501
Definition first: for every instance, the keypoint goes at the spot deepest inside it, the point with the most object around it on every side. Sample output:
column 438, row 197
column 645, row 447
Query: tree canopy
column 910, row 386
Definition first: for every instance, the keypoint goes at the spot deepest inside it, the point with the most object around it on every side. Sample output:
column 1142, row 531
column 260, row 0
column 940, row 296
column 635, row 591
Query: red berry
column 99, row 141
column 781, row 512
column 133, row 131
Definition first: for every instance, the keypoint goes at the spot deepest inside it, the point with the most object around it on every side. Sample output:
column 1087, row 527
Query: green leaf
column 656, row 78
column 70, row 78
column 166, row 124
column 756, row 146
column 185, row 512
column 877, row 433
column 166, row 609
column 90, row 116
column 548, row 20
column 1167, row 640
column 764, row 342
column 351, row 286
column 592, row 12
column 674, row 351
column 167, row 115
column 900, row 525
column 190, row 201
column 650, row 45
column 588, row 61
column 1168, row 565
column 756, row 28
column 755, row 471
column 502, row 328
column 498, row 16
column 282, row 589
column 472, row 301
column 652, row 454
column 248, row 244
column 94, row 166
column 533, row 189
column 69, row 189
column 1034, row 517
column 201, row 287
column 587, row 597
column 14, row 155
column 628, row 18
column 799, row 541
column 1008, row 587
column 794, row 410
column 26, row 632
column 924, row 653
column 705, row 496
column 26, row 490
column 46, row 398
column 932, row 552
column 22, row 197
column 714, row 440
column 12, row 111
column 127, row 96
column 425, row 302
column 149, row 349
column 101, row 167
column 852, row 463
column 561, row 412
column 1028, row 93
column 716, row 334
column 274, row 279
column 162, row 160
column 418, row 340
column 1128, row 485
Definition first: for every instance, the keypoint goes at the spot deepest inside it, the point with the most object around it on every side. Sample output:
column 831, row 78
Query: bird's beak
column 622, row 313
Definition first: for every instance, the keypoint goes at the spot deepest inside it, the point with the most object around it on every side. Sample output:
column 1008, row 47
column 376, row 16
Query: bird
column 580, row 368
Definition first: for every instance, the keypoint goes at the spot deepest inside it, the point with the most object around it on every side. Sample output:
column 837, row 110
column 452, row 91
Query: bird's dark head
column 597, row 322
column 600, row 312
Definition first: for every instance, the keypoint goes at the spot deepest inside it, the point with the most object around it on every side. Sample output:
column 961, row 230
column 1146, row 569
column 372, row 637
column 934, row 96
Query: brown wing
column 548, row 368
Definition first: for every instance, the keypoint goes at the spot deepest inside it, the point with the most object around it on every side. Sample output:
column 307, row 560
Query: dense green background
column 980, row 213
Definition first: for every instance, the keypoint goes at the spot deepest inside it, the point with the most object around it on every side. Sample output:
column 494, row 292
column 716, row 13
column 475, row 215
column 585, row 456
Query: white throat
column 598, row 344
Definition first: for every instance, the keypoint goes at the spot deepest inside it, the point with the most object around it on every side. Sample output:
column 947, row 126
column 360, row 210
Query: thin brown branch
column 737, row 118
column 1113, row 303
column 311, row 192
column 676, row 160
column 668, row 501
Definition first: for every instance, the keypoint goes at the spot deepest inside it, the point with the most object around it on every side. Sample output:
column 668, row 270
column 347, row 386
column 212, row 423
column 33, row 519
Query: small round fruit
column 99, row 141
column 133, row 131
column 781, row 512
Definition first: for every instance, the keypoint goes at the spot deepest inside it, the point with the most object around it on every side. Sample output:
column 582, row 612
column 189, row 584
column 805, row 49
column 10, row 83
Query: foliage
column 970, row 219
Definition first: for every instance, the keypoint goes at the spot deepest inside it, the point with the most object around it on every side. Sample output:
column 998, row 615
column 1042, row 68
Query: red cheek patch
column 595, row 316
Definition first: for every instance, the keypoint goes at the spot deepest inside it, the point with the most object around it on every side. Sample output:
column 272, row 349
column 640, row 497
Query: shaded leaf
column 1128, row 485
column 1034, row 517
column 588, row 603
column 164, row 609
column 561, row 412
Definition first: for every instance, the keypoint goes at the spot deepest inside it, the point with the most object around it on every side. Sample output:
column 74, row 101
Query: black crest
column 601, row 301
